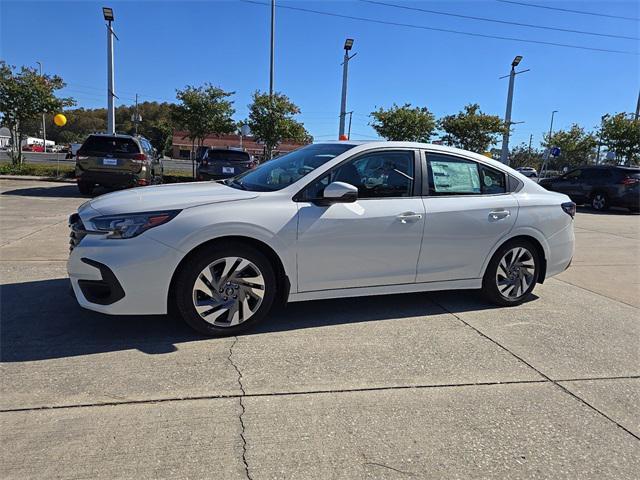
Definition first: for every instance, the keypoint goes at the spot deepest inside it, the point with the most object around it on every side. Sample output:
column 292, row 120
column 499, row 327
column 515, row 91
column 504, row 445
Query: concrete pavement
column 405, row 386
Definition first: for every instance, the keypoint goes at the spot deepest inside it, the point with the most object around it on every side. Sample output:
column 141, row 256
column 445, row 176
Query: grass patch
column 177, row 176
column 38, row 169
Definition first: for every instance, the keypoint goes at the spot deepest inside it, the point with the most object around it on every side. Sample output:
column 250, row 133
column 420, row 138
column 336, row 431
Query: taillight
column 139, row 158
column 630, row 181
column 569, row 208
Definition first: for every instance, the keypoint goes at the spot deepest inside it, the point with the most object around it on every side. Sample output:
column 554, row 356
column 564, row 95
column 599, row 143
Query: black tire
column 490, row 283
column 85, row 188
column 599, row 201
column 186, row 279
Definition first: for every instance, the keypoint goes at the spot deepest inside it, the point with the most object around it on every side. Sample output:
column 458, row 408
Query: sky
column 165, row 45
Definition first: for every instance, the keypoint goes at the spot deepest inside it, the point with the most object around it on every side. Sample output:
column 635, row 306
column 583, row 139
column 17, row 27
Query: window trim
column 425, row 180
column 417, row 174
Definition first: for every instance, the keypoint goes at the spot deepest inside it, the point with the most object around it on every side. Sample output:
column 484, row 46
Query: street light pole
column 348, row 44
column 44, row 128
column 637, row 116
column 504, row 154
column 602, row 119
column 548, row 153
column 111, row 114
column 273, row 44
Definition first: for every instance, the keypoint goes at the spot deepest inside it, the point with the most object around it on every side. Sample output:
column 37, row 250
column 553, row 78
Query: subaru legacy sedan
column 329, row 220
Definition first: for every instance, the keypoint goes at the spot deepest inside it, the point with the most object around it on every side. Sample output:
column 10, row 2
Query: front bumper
column 122, row 277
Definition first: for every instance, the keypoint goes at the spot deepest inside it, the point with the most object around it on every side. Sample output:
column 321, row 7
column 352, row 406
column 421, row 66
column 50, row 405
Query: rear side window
column 456, row 176
column 110, row 145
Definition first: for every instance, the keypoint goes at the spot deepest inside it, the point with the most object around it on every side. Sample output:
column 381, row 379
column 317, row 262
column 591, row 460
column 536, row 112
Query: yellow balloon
column 60, row 120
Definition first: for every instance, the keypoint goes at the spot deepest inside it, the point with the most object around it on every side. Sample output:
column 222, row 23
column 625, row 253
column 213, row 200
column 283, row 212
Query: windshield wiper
column 234, row 184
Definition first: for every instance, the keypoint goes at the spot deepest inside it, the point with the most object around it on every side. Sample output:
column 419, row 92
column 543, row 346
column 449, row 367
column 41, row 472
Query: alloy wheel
column 599, row 201
column 515, row 273
column 228, row 291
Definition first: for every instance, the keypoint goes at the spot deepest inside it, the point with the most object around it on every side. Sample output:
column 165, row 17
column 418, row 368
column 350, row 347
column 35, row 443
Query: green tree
column 24, row 96
column 522, row 156
column 405, row 123
column 471, row 129
column 203, row 111
column 271, row 121
column 576, row 147
column 621, row 134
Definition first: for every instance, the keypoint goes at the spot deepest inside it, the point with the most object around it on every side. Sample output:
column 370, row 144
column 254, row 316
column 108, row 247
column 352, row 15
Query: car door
column 372, row 241
column 570, row 184
column 468, row 210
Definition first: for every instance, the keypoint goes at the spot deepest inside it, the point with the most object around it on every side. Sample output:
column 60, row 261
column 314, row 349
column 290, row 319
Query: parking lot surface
column 403, row 386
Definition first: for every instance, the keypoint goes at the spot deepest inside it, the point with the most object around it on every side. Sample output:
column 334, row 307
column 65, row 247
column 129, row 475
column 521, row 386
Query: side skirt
column 473, row 283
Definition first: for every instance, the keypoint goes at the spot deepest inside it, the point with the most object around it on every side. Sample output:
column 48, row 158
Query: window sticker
column 455, row 177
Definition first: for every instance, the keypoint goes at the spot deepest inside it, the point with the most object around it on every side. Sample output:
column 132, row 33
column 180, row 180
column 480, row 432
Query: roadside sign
column 555, row 151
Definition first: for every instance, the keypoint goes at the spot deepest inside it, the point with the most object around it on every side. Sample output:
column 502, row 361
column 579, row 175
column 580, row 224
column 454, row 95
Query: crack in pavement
column 539, row 372
column 242, row 408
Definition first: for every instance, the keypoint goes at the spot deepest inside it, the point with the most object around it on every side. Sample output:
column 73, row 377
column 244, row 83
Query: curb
column 37, row 178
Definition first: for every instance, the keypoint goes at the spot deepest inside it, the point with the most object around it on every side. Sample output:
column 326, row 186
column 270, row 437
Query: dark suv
column 117, row 161
column 600, row 186
column 219, row 163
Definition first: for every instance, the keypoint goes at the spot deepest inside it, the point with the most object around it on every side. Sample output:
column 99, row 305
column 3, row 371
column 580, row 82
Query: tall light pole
column 548, row 152
column 44, row 128
column 602, row 119
column 273, row 45
column 504, row 154
column 637, row 115
column 348, row 44
column 111, row 114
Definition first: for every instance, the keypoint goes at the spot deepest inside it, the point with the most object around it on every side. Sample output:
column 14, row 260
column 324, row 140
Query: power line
column 459, row 32
column 505, row 22
column 581, row 12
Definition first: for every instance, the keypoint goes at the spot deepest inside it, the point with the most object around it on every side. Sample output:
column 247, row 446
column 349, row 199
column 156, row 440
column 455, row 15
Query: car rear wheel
column 512, row 273
column 599, row 201
column 85, row 188
column 225, row 289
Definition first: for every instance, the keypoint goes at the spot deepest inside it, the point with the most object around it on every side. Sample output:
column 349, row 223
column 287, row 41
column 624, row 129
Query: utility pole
column 111, row 114
column 44, row 128
column 273, row 44
column 637, row 117
column 348, row 44
column 547, row 154
column 349, row 130
column 504, row 154
column 530, row 140
column 136, row 118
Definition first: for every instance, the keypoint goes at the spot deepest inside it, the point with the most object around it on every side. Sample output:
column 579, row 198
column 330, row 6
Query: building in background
column 182, row 145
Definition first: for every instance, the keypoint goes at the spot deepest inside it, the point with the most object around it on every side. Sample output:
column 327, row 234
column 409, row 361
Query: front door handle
column 498, row 214
column 407, row 217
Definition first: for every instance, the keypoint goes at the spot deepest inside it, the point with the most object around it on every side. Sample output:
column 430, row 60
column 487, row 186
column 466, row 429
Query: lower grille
column 77, row 231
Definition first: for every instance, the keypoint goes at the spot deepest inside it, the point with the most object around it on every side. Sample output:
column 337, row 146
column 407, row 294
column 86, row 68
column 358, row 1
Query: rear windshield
column 228, row 155
column 111, row 145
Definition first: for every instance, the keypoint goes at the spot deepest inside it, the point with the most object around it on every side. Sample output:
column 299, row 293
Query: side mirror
column 339, row 192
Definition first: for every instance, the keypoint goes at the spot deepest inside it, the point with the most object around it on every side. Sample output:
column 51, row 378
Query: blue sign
column 555, row 151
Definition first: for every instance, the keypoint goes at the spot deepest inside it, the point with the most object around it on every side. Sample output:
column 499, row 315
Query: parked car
column 342, row 219
column 218, row 163
column 117, row 161
column 72, row 151
column 528, row 171
column 600, row 186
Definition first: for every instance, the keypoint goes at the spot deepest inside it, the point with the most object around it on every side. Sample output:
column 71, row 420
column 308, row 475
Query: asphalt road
column 35, row 157
column 404, row 386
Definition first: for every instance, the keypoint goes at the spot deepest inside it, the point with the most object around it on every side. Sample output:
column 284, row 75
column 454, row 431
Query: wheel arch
column 531, row 238
column 283, row 286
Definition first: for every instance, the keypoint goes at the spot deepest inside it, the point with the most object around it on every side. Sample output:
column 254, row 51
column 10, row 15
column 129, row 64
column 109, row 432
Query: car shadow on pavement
column 62, row 191
column 41, row 320
column 611, row 211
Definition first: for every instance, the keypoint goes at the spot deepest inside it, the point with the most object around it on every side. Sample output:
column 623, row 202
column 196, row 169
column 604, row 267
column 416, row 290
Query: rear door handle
column 407, row 217
column 499, row 214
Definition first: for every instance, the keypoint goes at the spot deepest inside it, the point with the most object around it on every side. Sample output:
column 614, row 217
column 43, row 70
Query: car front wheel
column 512, row 273
column 225, row 289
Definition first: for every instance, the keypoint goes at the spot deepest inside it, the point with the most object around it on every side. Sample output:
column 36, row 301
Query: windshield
column 283, row 171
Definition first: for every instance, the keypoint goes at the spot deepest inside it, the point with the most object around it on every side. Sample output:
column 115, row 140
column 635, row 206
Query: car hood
column 164, row 197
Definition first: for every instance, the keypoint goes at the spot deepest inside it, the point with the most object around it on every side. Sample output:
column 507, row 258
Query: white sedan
column 329, row 220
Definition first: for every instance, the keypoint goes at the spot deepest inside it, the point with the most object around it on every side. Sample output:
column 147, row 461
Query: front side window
column 456, row 176
column 574, row 175
column 285, row 170
column 375, row 175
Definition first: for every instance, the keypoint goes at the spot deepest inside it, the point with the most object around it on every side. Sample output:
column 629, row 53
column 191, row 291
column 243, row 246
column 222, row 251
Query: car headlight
column 130, row 225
